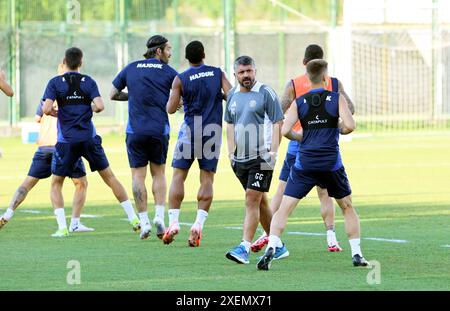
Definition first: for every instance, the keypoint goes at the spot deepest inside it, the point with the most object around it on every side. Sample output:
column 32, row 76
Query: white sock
column 246, row 244
column 331, row 238
column 159, row 211
column 128, row 208
column 74, row 222
column 274, row 242
column 144, row 219
column 355, row 246
column 201, row 217
column 61, row 218
column 8, row 214
column 174, row 213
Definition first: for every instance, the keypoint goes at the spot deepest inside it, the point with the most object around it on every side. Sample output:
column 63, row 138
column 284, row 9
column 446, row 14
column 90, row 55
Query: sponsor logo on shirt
column 75, row 96
column 157, row 66
column 317, row 121
column 201, row 75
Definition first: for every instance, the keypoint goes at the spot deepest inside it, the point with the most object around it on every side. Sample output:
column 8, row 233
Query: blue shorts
column 289, row 162
column 143, row 149
column 41, row 167
column 207, row 154
column 301, row 182
column 67, row 154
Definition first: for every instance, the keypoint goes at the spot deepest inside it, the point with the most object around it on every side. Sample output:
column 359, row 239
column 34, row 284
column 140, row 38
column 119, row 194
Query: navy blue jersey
column 202, row 94
column 74, row 93
column 149, row 82
column 333, row 86
column 318, row 112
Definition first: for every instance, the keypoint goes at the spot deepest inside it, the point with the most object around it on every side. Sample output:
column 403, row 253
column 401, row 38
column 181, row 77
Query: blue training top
column 293, row 144
column 74, row 93
column 318, row 112
column 202, row 94
column 149, row 82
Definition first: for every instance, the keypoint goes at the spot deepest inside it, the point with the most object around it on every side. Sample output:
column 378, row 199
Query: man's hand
column 270, row 159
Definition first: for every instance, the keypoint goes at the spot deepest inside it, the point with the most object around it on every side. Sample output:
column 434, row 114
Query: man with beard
column 149, row 82
column 254, row 117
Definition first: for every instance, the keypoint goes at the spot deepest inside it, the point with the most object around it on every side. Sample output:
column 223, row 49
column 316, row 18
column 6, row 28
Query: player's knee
column 346, row 204
column 252, row 196
column 81, row 184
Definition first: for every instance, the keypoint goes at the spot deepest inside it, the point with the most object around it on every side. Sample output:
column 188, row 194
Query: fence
column 396, row 71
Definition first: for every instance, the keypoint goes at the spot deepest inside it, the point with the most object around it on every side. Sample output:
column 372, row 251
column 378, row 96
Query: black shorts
column 301, row 182
column 142, row 149
column 253, row 174
column 41, row 167
column 67, row 155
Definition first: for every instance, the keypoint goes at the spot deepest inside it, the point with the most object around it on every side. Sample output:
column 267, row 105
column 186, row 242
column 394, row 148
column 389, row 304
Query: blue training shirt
column 75, row 119
column 149, row 82
column 202, row 94
column 319, row 149
column 293, row 144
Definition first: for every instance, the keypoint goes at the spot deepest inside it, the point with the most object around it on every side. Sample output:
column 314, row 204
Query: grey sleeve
column 272, row 105
column 228, row 117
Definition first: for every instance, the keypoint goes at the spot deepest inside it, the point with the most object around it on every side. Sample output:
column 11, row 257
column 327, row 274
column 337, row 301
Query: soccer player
column 78, row 97
column 4, row 86
column 319, row 161
column 294, row 89
column 41, row 169
column 200, row 136
column 254, row 116
column 149, row 82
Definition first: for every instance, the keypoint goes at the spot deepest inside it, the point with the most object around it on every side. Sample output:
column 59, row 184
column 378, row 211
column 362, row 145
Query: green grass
column 401, row 191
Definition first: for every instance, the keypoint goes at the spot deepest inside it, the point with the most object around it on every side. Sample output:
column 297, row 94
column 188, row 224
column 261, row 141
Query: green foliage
column 187, row 10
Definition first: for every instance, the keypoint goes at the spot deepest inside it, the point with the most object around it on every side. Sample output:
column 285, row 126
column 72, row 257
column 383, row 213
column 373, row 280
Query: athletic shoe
column 259, row 243
column 136, row 224
column 280, row 253
column 81, row 228
column 160, row 227
column 62, row 233
column 195, row 235
column 3, row 222
column 170, row 233
column 265, row 261
column 238, row 254
column 359, row 261
column 145, row 231
column 335, row 248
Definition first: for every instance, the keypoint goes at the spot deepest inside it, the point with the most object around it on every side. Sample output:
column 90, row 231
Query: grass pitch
column 400, row 188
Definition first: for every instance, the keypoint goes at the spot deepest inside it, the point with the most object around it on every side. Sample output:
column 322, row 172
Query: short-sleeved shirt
column 74, row 120
column 319, row 148
column 202, row 94
column 253, row 114
column 149, row 82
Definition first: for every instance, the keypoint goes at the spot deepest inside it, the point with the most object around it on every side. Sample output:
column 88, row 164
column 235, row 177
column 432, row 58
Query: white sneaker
column 81, row 228
column 145, row 231
column 160, row 227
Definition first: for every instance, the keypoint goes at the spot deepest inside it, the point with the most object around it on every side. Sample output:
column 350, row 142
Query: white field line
column 387, row 240
column 324, row 234
column 448, row 245
column 30, row 211
column 90, row 216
